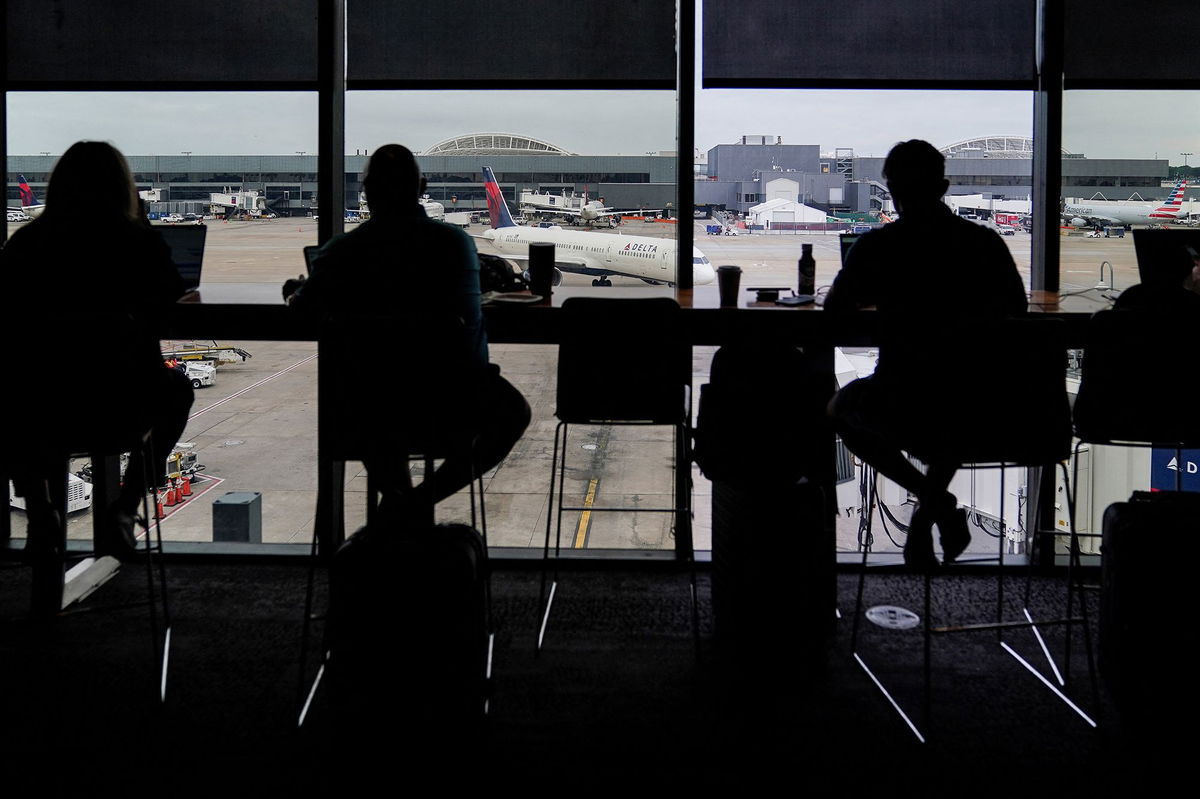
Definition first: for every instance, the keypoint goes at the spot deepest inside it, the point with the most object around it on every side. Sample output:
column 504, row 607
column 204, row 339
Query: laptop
column 310, row 253
column 847, row 241
column 1162, row 255
column 187, row 251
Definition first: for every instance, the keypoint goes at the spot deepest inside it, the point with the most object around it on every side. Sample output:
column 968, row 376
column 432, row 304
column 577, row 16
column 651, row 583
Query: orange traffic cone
column 185, row 485
column 170, row 500
column 158, row 509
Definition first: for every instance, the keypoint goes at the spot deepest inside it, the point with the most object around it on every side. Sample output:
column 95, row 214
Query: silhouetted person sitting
column 401, row 262
column 1175, row 288
column 92, row 253
column 921, row 271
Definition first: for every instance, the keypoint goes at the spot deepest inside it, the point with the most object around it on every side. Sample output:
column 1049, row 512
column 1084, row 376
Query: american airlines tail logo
column 1173, row 205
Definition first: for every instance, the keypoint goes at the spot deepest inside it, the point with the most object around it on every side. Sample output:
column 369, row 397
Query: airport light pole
column 1185, row 157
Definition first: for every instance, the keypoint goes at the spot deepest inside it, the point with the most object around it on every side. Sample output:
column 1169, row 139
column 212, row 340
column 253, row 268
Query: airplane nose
column 703, row 274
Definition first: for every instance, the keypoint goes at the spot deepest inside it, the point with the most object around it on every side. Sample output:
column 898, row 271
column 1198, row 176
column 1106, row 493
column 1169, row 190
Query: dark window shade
column 151, row 41
column 827, row 42
column 1112, row 43
column 630, row 42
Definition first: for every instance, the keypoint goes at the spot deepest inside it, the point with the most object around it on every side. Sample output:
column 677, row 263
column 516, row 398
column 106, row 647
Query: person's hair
column 392, row 178
column 915, row 168
column 91, row 180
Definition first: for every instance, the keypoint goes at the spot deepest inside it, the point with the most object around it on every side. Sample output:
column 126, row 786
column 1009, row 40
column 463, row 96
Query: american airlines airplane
column 600, row 255
column 1109, row 212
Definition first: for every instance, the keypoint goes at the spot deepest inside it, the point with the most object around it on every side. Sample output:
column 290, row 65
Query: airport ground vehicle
column 79, row 495
column 199, row 372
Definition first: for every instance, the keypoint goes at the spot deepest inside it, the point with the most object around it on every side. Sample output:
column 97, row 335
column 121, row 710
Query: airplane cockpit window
column 700, row 259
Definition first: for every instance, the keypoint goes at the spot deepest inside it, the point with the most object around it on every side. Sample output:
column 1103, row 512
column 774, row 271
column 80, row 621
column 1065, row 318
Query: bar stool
column 50, row 595
column 377, row 407
column 50, row 426
column 1133, row 385
column 1020, row 416
column 1133, row 392
column 644, row 382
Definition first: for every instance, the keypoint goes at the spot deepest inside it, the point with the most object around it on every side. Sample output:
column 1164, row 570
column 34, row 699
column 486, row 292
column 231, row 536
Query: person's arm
column 310, row 294
column 468, row 293
column 1012, row 298
column 853, row 287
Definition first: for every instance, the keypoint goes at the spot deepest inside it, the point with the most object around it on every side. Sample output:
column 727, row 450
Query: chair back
column 80, row 383
column 394, row 384
column 983, row 391
column 1136, row 379
column 621, row 360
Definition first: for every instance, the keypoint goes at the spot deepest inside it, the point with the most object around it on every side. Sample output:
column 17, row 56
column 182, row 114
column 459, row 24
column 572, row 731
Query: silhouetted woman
column 84, row 286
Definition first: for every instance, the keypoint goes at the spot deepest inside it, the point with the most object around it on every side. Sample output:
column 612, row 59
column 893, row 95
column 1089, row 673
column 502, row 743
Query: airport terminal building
column 453, row 168
column 742, row 175
column 736, row 176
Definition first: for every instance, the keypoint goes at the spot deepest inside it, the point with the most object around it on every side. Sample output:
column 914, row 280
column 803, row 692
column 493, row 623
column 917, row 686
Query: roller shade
column 827, row 42
column 140, row 41
column 631, row 42
column 1110, row 43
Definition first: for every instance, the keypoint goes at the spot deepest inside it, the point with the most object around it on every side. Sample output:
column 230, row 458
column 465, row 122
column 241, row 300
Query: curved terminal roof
column 992, row 147
column 494, row 144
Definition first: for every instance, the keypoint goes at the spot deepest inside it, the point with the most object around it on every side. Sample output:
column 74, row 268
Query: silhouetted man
column 402, row 262
column 1175, row 289
column 925, row 269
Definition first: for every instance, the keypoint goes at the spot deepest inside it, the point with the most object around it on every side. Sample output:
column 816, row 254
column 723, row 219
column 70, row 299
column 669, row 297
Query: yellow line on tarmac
column 586, row 516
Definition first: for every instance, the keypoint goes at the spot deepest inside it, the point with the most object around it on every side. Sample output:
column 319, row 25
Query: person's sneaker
column 954, row 534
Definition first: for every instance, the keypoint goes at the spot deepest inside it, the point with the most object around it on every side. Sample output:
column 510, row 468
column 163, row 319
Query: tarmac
column 255, row 429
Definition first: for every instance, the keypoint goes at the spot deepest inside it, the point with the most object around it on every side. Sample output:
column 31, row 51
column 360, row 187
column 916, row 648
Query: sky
column 1097, row 124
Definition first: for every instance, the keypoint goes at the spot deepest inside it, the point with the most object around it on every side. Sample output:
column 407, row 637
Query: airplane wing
column 567, row 260
column 1094, row 219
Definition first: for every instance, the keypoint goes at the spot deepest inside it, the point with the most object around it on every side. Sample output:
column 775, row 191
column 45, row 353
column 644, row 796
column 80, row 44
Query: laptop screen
column 187, row 250
column 1165, row 256
column 847, row 241
column 310, row 253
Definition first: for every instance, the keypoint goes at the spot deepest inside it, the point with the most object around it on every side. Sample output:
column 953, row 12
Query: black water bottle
column 808, row 271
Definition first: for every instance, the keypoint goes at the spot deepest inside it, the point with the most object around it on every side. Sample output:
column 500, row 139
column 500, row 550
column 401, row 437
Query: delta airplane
column 1110, row 212
column 600, row 255
column 29, row 201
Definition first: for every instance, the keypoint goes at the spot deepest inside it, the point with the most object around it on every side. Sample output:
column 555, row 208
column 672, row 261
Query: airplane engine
column 1079, row 221
column 556, row 280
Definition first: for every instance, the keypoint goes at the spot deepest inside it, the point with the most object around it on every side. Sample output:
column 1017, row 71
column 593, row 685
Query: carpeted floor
column 621, row 697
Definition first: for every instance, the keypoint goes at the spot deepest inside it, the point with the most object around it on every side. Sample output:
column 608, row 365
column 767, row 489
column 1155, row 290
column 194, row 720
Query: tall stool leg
column 865, row 545
column 546, row 601
column 150, row 511
column 47, row 552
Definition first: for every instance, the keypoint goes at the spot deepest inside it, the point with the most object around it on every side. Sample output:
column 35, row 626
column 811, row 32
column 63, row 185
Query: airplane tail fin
column 28, row 198
column 497, row 208
column 1176, row 197
column 1173, row 204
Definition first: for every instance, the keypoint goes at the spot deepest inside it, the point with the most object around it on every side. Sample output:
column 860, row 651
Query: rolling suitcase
column 1145, row 631
column 762, row 437
column 408, row 627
